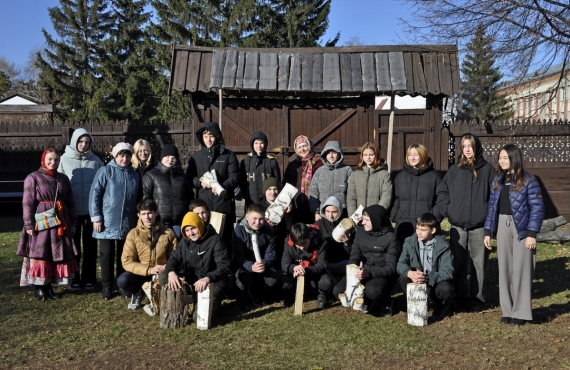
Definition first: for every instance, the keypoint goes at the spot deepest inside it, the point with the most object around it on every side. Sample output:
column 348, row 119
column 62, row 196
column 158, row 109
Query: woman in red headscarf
column 48, row 251
column 299, row 173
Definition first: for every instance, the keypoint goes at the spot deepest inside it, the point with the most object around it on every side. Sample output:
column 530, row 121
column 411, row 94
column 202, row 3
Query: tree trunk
column 299, row 295
column 204, row 308
column 275, row 211
column 417, row 304
column 173, row 311
column 354, row 289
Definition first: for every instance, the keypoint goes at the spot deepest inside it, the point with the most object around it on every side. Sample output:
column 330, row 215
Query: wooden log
column 417, row 304
column 152, row 291
column 217, row 220
column 211, row 179
column 358, row 304
column 173, row 312
column 344, row 227
column 343, row 299
column 204, row 308
column 354, row 289
column 552, row 223
column 553, row 236
column 299, row 295
column 357, row 215
column 275, row 211
column 256, row 248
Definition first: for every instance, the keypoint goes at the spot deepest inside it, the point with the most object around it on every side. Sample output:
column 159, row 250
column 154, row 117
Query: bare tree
column 10, row 69
column 527, row 34
column 354, row 40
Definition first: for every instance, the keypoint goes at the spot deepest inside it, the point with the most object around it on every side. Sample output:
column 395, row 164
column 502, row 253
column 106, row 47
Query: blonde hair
column 135, row 159
column 469, row 161
column 377, row 160
column 423, row 153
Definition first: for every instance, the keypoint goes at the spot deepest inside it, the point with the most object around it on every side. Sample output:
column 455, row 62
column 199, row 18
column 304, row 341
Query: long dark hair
column 469, row 161
column 515, row 158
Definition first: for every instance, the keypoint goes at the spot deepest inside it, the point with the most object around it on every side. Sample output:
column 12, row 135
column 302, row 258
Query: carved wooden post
column 354, row 289
column 204, row 308
column 173, row 311
column 417, row 304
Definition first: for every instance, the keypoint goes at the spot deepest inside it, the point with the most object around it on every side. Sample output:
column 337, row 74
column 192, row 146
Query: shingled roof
column 366, row 70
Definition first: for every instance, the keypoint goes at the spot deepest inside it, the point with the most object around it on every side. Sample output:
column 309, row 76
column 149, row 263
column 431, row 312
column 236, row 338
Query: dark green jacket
column 442, row 265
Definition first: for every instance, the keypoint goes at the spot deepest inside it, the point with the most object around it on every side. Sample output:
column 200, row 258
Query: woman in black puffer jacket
column 170, row 189
column 415, row 191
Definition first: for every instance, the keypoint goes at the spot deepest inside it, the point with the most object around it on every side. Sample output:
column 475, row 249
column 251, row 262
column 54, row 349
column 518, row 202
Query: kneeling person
column 251, row 275
column 145, row 253
column 427, row 259
column 200, row 258
column 305, row 254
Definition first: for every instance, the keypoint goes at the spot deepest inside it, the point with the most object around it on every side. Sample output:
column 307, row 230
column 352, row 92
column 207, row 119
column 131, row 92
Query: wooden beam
column 330, row 128
column 26, row 108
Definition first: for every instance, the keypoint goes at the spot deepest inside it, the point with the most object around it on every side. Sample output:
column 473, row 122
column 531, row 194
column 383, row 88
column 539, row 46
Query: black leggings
column 107, row 252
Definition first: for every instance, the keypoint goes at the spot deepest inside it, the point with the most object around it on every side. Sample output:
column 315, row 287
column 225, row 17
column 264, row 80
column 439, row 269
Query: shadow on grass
column 550, row 277
column 543, row 315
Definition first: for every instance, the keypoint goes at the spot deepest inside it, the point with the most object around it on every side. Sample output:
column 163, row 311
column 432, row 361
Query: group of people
column 152, row 222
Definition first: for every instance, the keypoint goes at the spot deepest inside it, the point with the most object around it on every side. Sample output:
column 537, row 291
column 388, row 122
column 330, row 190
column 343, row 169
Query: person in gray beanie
column 331, row 179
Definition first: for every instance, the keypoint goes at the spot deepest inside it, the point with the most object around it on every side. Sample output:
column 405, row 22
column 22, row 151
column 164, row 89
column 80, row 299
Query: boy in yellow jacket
column 145, row 253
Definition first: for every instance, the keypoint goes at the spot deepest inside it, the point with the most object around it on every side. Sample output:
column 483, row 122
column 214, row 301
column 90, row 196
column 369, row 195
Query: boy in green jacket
column 427, row 259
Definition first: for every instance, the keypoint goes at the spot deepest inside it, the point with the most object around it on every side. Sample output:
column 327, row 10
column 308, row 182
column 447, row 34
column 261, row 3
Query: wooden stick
column 299, row 295
column 217, row 220
column 256, row 248
column 204, row 308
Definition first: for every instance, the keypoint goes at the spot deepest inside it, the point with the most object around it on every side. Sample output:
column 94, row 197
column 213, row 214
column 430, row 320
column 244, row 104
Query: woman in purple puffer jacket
column 49, row 255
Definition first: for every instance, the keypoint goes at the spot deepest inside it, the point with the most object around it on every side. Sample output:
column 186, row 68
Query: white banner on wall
column 382, row 102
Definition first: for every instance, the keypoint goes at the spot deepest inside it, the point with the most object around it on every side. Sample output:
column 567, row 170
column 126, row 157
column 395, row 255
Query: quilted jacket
column 526, row 204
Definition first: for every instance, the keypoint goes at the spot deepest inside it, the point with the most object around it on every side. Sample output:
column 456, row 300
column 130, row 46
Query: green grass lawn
column 83, row 331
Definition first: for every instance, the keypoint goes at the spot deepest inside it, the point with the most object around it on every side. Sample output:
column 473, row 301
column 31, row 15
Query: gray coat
column 81, row 169
column 329, row 179
column 369, row 186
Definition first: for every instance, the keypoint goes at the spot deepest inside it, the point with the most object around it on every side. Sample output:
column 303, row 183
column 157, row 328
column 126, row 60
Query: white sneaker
column 149, row 309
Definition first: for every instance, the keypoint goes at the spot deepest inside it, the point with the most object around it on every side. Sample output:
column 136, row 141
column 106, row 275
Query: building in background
column 540, row 95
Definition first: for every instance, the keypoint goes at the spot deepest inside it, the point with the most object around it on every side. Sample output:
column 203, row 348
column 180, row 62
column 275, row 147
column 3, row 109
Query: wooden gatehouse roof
column 359, row 70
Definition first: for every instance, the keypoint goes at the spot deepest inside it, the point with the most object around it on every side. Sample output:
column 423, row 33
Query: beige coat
column 369, row 186
column 137, row 256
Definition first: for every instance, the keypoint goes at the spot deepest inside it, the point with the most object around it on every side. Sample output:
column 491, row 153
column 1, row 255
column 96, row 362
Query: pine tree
column 480, row 82
column 287, row 24
column 71, row 65
column 130, row 68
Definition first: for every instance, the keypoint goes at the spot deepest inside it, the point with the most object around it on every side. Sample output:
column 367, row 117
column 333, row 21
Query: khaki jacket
column 137, row 256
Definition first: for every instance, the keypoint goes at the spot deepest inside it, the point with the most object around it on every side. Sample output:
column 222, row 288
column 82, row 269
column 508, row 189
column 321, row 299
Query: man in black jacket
column 305, row 253
column 256, row 167
column 169, row 188
column 202, row 258
column 375, row 248
column 213, row 155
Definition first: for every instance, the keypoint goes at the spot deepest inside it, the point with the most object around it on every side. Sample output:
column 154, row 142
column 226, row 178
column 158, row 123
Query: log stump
column 173, row 311
column 299, row 296
column 417, row 304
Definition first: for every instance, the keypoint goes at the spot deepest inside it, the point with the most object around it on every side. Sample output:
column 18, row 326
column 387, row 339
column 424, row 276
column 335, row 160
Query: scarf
column 52, row 173
column 246, row 226
column 307, row 163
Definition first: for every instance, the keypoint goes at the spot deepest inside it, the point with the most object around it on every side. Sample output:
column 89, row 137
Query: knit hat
column 378, row 216
column 169, row 149
column 122, row 146
column 269, row 182
column 192, row 219
column 303, row 140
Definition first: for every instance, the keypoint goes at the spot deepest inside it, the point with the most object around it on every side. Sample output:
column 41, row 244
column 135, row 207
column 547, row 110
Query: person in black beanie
column 169, row 188
column 375, row 249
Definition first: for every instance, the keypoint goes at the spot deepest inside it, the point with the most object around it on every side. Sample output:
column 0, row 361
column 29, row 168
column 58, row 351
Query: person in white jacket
column 80, row 165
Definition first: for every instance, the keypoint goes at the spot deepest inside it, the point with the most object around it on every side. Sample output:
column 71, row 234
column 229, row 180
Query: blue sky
column 374, row 21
